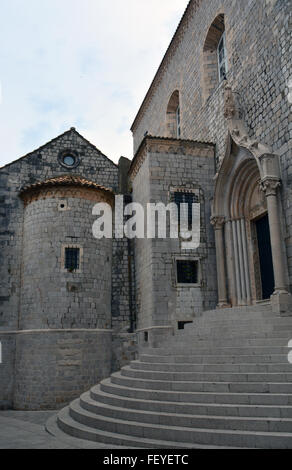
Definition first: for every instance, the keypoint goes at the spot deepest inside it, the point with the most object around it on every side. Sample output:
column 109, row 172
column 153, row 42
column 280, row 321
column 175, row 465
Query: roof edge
column 172, row 46
column 72, row 129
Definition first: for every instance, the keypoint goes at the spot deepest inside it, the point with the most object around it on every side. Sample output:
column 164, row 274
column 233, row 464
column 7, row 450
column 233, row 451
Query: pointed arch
column 173, row 123
column 214, row 56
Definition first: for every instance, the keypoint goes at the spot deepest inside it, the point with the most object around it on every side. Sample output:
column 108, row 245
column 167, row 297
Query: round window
column 69, row 160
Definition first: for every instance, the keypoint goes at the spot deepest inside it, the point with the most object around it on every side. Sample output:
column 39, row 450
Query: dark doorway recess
column 265, row 255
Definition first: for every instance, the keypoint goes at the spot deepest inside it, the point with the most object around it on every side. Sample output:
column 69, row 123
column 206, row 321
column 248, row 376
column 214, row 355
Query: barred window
column 187, row 272
column 72, row 259
column 185, row 198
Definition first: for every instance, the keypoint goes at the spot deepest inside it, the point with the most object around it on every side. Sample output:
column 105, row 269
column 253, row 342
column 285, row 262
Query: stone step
column 237, row 329
column 224, row 333
column 273, row 377
column 238, row 398
column 185, row 334
column 216, row 359
column 203, row 386
column 80, row 431
column 226, row 351
column 266, row 424
column 241, row 368
column 174, row 433
column 239, row 319
column 193, row 341
column 228, row 313
column 190, row 408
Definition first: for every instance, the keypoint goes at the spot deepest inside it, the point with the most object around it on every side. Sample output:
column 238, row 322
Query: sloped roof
column 72, row 129
column 66, row 180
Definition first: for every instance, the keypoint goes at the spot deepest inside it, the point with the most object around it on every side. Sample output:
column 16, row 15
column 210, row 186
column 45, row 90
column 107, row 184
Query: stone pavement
column 26, row 430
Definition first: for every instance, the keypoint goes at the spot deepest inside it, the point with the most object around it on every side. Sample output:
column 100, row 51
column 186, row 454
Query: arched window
column 173, row 117
column 214, row 56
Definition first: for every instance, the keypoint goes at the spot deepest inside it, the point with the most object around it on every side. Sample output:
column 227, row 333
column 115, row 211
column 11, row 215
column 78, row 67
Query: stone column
column 218, row 223
column 281, row 299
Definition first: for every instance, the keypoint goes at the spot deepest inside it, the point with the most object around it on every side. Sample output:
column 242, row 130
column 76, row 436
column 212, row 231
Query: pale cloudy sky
column 81, row 63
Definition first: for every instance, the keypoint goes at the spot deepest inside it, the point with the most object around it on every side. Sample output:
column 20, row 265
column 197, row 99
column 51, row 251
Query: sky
column 78, row 63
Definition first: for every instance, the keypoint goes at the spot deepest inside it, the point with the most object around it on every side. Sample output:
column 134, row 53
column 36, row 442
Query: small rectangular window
column 187, row 272
column 72, row 259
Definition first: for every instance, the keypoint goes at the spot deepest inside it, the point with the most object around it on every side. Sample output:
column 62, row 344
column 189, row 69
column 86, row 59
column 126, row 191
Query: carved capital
column 218, row 222
column 269, row 186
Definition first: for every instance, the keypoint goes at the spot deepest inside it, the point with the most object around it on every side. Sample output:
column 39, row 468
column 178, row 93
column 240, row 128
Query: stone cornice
column 193, row 5
column 167, row 145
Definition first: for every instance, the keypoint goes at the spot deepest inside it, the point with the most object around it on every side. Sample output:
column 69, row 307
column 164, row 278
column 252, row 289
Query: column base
column 281, row 302
column 223, row 305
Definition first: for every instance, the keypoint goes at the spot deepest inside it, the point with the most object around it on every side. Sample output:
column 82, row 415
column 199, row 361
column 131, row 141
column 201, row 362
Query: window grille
column 185, row 198
column 187, row 272
column 72, row 258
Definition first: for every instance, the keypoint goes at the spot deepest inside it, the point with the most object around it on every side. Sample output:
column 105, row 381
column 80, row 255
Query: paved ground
column 26, row 430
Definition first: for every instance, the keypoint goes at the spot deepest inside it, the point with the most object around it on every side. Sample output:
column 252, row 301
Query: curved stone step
column 192, row 408
column 80, row 431
column 216, row 358
column 197, row 397
column 225, row 351
column 218, row 437
column 273, row 377
column 241, row 368
column 194, row 342
column 233, row 387
column 266, row 424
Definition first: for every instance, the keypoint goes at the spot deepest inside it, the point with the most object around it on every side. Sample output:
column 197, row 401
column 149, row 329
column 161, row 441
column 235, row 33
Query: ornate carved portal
column 246, row 215
column 243, row 204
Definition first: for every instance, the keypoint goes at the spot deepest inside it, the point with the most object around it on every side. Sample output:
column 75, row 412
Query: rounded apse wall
column 64, row 343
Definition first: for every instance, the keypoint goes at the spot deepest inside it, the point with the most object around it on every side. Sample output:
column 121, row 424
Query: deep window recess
column 222, row 58
column 187, row 272
column 181, row 324
column 178, row 130
column 185, row 198
column 72, row 259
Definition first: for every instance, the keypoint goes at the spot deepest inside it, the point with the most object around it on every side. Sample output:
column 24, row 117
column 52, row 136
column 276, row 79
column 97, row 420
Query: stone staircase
column 224, row 381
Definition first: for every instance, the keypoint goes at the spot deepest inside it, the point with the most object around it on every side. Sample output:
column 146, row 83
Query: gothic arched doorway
column 248, row 247
column 247, row 217
column 245, row 267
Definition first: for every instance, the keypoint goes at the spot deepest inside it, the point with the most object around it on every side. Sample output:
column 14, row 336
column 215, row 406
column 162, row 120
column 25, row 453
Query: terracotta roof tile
column 66, row 180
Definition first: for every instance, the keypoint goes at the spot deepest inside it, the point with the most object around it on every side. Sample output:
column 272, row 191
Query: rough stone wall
column 259, row 68
column 172, row 165
column 144, row 280
column 54, row 367
column 52, row 297
column 7, row 370
column 37, row 166
column 62, row 308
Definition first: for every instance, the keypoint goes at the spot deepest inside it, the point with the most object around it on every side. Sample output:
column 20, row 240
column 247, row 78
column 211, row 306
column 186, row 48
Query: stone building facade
column 215, row 129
